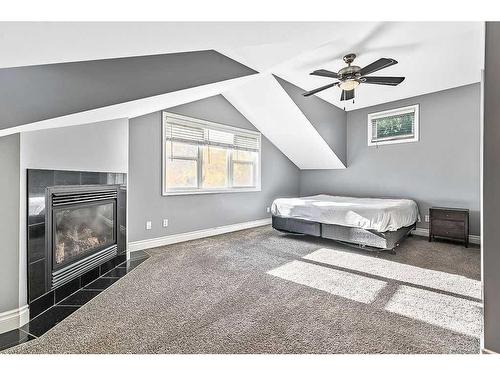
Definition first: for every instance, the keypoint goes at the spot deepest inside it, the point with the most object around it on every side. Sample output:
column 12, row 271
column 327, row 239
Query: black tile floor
column 14, row 337
column 79, row 298
column 101, row 283
column 49, row 318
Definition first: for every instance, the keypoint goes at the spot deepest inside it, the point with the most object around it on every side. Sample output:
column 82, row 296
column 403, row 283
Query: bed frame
column 370, row 240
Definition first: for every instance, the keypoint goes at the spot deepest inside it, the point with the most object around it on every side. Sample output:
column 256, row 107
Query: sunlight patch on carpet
column 444, row 281
column 456, row 314
column 340, row 283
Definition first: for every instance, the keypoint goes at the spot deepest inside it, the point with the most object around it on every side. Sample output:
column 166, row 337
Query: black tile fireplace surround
column 60, row 203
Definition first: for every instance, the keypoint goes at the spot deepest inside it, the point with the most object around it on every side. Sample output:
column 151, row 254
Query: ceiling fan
column 351, row 76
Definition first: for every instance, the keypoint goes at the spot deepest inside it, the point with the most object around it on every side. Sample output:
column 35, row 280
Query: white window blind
column 191, row 132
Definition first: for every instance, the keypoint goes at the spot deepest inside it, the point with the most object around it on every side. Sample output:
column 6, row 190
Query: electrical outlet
column 165, row 223
column 426, row 218
column 268, row 209
column 148, row 225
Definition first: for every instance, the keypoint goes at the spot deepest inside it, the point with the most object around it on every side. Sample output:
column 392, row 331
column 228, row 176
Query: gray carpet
column 259, row 291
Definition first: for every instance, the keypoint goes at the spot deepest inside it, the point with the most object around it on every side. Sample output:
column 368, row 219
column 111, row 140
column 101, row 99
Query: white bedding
column 367, row 213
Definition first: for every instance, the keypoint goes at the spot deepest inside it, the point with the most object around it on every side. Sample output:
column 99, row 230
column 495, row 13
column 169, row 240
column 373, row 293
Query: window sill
column 222, row 191
column 392, row 141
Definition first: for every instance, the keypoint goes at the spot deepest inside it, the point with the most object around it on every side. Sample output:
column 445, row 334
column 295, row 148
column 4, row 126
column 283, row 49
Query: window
column 394, row 126
column 204, row 157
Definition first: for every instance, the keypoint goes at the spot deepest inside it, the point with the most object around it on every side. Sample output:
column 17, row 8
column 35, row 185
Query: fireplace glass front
column 81, row 230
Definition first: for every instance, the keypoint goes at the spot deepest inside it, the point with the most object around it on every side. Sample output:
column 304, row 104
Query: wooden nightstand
column 449, row 223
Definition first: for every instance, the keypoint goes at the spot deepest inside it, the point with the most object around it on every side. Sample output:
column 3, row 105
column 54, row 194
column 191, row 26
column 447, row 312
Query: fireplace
column 81, row 229
column 76, row 231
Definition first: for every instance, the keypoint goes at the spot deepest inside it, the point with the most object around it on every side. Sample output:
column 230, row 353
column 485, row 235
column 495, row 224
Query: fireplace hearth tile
column 101, row 283
column 43, row 322
column 79, row 298
column 116, row 272
column 90, row 276
column 105, row 267
column 120, row 259
column 37, row 279
column 13, row 338
column 41, row 304
column 138, row 254
column 69, row 288
column 131, row 264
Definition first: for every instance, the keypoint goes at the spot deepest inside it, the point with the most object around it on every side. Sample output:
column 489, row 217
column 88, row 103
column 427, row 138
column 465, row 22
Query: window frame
column 394, row 112
column 229, row 164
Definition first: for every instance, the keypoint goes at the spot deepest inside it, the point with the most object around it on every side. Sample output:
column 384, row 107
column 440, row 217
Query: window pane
column 243, row 174
column 214, row 168
column 241, row 155
column 394, row 126
column 181, row 173
column 179, row 149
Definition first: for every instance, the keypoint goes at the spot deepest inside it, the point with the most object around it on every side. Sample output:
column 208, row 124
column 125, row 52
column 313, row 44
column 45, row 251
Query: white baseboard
column 425, row 232
column 188, row 236
column 13, row 319
column 487, row 351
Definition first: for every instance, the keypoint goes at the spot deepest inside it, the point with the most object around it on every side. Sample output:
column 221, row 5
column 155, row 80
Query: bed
column 370, row 223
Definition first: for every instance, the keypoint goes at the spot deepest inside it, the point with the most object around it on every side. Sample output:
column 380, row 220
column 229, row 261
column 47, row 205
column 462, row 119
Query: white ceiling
column 269, row 108
column 432, row 56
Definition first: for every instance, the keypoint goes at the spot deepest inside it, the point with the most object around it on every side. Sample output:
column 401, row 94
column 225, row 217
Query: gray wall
column 491, row 189
column 9, row 222
column 328, row 120
column 35, row 93
column 441, row 169
column 280, row 177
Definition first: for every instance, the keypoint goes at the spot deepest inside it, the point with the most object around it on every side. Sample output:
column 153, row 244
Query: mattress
column 379, row 214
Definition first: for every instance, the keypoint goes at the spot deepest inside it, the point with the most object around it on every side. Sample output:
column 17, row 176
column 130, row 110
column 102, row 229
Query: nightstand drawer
column 448, row 228
column 448, row 215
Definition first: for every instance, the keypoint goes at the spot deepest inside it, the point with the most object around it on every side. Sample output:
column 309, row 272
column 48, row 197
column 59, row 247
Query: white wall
column 97, row 147
column 9, row 226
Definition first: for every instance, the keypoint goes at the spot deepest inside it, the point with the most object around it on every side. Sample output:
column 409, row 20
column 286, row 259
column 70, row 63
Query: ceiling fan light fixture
column 350, row 76
column 349, row 84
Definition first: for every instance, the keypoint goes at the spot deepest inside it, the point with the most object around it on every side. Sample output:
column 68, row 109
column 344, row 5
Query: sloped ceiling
column 267, row 106
column 329, row 121
column 432, row 56
column 35, row 93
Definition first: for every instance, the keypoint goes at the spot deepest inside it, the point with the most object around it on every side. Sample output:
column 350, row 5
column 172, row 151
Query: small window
column 393, row 126
column 204, row 157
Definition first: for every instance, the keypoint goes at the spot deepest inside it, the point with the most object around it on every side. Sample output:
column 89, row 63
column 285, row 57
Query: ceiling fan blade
column 308, row 93
column 324, row 73
column 377, row 65
column 347, row 95
column 388, row 81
